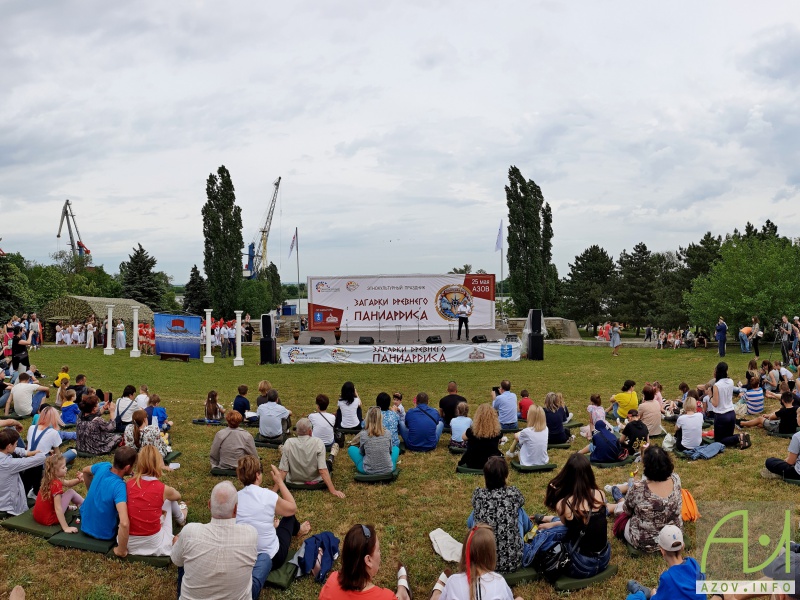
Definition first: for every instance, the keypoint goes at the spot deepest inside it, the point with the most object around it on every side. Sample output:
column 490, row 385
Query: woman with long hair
column 361, row 561
column 348, row 413
column 580, row 506
column 19, row 350
column 140, row 434
column 95, row 434
column 374, row 454
column 721, row 401
column 556, row 415
column 53, row 500
column 483, row 438
column 213, row 410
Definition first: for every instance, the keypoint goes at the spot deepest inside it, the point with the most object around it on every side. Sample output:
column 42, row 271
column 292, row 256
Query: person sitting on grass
column 104, row 512
column 783, row 420
column 159, row 412
column 604, row 447
column 25, row 396
column 53, row 499
column 139, row 434
column 422, row 426
column 679, row 581
column 241, row 404
column 371, row 450
column 533, row 439
column 213, row 410
column 483, row 438
column 45, row 434
column 152, row 506
column 525, row 404
column 391, row 420
column 635, row 436
column 63, row 375
column 625, row 400
column 274, row 420
column 125, row 408
column 361, row 561
column 449, row 404
column 650, row 411
column 689, row 426
column 323, row 422
column 754, row 397
column 17, row 467
column 459, row 425
column 476, row 577
column 261, row 508
column 263, row 387
column 96, row 435
column 231, row 443
column 303, row 459
column 789, row 468
column 595, row 410
column 505, row 403
column 69, row 409
column 348, row 411
column 555, row 415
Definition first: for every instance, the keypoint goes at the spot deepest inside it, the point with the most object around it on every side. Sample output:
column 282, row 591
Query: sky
column 393, row 125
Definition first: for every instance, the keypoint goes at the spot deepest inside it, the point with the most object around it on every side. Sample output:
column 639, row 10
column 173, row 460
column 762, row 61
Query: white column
column 109, row 349
column 238, row 361
column 135, row 353
column 208, row 358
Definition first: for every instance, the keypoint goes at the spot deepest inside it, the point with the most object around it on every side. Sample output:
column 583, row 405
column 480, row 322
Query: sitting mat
column 364, row 478
column 16, row 417
column 82, row 454
column 207, row 422
column 159, row 562
column 564, row 446
column 671, row 419
column 276, row 440
column 632, row 551
column 511, row 430
column 25, row 523
column 271, row 445
column 348, row 430
column 568, row 584
column 220, row 472
column 525, row 575
column 80, row 541
column 708, row 440
column 573, row 424
column 68, row 426
column 456, row 450
column 171, row 456
column 282, row 578
column 791, row 481
column 320, row 485
column 611, row 465
column 781, row 435
column 468, row 471
column 533, row 469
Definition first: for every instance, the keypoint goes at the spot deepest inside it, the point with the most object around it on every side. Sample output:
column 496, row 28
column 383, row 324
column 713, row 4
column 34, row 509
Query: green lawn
column 428, row 493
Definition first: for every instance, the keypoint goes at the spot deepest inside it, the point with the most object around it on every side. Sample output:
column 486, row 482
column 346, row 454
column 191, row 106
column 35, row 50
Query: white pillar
column 135, row 353
column 238, row 361
column 208, row 358
column 109, row 349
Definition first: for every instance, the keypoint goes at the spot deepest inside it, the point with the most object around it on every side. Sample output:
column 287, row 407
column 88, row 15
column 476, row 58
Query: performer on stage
column 463, row 313
column 120, row 335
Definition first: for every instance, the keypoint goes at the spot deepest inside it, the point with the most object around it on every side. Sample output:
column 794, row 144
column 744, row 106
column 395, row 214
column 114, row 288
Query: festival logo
column 340, row 354
column 448, row 299
column 322, row 286
column 351, row 286
column 476, row 355
column 296, row 355
column 332, row 319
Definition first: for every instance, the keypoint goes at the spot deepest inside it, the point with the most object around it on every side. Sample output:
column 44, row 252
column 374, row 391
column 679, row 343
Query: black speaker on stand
column 267, row 328
column 269, row 351
column 535, row 346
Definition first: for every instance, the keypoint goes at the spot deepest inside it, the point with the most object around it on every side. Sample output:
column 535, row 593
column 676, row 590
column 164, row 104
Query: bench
column 174, row 356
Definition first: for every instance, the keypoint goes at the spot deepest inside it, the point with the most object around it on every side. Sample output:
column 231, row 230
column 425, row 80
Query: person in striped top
column 754, row 397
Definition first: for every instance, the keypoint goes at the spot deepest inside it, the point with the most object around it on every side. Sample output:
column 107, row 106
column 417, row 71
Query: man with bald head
column 448, row 404
column 216, row 560
column 303, row 459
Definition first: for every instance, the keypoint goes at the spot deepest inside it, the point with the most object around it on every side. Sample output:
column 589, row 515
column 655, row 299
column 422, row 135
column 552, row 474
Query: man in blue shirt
column 104, row 512
column 423, row 426
column 505, row 403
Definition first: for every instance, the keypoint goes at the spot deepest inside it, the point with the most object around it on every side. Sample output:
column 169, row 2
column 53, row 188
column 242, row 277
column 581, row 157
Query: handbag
column 668, row 444
column 553, row 562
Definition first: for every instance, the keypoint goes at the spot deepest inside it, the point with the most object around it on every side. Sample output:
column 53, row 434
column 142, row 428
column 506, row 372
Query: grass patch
column 428, row 493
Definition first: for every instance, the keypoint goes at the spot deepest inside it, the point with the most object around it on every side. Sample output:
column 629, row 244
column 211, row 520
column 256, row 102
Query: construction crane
column 257, row 262
column 78, row 249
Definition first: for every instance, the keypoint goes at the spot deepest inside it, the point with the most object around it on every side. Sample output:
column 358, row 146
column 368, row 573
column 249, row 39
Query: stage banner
column 400, row 354
column 177, row 333
column 428, row 301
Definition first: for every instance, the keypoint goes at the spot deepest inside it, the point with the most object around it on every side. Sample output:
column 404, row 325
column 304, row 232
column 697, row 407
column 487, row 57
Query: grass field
column 428, row 493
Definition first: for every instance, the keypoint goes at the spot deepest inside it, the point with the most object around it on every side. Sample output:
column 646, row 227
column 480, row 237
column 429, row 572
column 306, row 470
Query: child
column 781, row 421
column 635, row 436
column 53, row 500
column 459, row 425
column 159, row 412
column 69, row 410
column 476, row 577
column 595, row 410
column 604, row 447
column 659, row 389
column 214, row 411
column 679, row 580
column 397, row 399
column 556, row 414
column 143, row 398
column 674, row 406
column 62, row 374
column 60, row 394
column 689, row 428
column 533, row 439
column 524, row 404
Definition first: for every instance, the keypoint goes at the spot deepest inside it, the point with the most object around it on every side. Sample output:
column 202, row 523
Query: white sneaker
column 510, row 454
column 607, row 488
column 334, row 449
column 569, row 418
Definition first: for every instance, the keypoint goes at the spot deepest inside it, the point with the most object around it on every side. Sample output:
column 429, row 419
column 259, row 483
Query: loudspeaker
column 267, row 327
column 365, row 340
column 512, row 337
column 535, row 317
column 269, row 351
column 536, row 346
column 479, row 339
column 315, row 340
column 433, row 339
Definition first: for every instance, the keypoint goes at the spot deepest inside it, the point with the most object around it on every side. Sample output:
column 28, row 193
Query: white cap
column 671, row 538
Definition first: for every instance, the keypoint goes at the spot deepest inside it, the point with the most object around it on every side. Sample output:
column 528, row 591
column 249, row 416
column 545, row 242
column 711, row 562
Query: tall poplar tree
column 222, row 252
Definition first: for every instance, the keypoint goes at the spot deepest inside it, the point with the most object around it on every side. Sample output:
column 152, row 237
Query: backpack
column 689, row 510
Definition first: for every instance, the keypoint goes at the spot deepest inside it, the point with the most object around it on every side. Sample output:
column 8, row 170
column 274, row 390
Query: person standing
column 35, row 329
column 755, row 335
column 232, row 339
column 223, row 338
column 721, row 335
column 648, row 334
column 744, row 339
column 462, row 312
column 786, row 337
column 615, row 341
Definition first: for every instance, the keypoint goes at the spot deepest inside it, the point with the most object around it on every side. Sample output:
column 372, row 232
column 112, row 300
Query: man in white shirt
column 463, row 312
column 786, row 374
column 232, row 338
column 223, row 339
column 26, row 396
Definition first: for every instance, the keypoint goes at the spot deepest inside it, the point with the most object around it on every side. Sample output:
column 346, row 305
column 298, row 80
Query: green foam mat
column 160, row 562
column 512, row 430
column 387, row 477
column 568, row 584
column 564, row 446
column 319, row 485
column 81, row 541
column 16, row 417
column 4, row 515
column 521, row 576
column 447, row 430
column 632, row 551
column 468, row 471
column 456, row 450
column 671, row 419
column 25, row 523
column 781, row 435
column 533, row 469
column 271, row 445
column 82, row 454
column 348, row 430
column 171, row 456
column 658, row 435
column 68, row 426
column 611, row 465
column 282, row 578
column 789, row 481
column 574, row 424
column 220, row 472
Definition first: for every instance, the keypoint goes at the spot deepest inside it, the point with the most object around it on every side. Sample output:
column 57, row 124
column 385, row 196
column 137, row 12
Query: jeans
column 782, row 468
column 355, row 455
column 524, row 522
column 401, row 426
column 70, row 455
column 724, row 424
column 509, row 425
column 583, row 566
column 261, row 571
column 744, row 343
column 4, row 398
column 721, row 346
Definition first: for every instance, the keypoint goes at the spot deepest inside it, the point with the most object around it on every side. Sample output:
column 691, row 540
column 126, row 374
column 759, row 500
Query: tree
column 195, row 296
column 588, row 287
column 139, row 281
column 255, row 297
column 752, row 277
column 465, row 270
column 699, row 257
column 48, row 285
column 222, row 253
column 69, row 263
column 15, row 295
column 274, row 280
column 634, row 295
column 668, row 308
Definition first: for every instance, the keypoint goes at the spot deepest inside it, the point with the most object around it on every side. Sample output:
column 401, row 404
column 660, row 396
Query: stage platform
column 399, row 354
column 403, row 335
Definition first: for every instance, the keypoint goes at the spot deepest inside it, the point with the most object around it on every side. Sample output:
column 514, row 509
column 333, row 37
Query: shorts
column 772, row 426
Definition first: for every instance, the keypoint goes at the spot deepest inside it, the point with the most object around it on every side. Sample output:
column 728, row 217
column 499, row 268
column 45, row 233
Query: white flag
column 294, row 239
column 499, row 244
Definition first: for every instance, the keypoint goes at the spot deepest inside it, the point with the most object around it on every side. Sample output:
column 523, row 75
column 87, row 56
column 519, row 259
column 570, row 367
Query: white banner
column 426, row 301
column 401, row 354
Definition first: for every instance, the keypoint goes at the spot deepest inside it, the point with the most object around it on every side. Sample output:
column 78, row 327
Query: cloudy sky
column 393, row 125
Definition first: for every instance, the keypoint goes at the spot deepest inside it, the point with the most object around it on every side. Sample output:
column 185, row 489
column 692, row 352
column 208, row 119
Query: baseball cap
column 671, row 538
column 796, row 319
column 776, row 570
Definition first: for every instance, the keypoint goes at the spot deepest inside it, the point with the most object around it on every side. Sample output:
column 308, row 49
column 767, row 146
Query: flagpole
column 298, row 274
